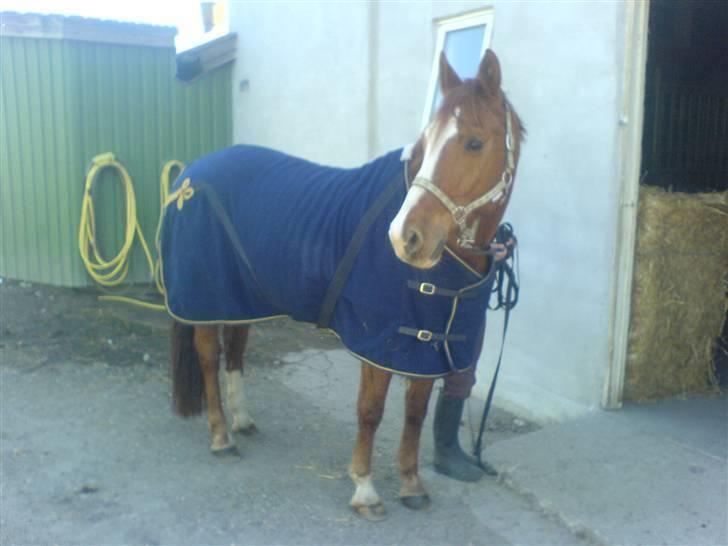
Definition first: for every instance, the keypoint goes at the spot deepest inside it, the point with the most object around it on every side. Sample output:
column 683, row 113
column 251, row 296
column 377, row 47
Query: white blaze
column 435, row 140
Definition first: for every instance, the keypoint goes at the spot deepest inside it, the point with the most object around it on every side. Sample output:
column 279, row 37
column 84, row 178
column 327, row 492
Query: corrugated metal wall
column 62, row 103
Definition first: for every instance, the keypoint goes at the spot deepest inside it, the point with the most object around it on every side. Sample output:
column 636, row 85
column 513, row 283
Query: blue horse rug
column 251, row 234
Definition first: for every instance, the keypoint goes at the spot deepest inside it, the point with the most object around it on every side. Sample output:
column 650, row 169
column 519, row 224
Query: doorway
column 676, row 345
column 685, row 137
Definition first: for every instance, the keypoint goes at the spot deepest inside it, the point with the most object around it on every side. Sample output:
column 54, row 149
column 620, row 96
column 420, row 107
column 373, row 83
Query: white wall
column 340, row 83
column 306, row 65
column 562, row 70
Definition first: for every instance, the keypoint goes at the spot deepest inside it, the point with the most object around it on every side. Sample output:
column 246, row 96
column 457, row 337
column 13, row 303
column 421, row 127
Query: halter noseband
column 460, row 213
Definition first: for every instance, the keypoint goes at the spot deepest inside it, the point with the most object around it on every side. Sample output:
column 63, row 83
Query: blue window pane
column 462, row 48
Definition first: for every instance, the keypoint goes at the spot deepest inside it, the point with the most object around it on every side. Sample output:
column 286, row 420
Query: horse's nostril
column 413, row 242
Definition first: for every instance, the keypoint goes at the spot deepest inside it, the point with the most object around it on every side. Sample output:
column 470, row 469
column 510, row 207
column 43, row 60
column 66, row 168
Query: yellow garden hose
column 164, row 182
column 113, row 272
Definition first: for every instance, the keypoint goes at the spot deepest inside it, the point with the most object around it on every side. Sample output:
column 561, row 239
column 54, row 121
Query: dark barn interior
column 685, row 142
column 685, row 138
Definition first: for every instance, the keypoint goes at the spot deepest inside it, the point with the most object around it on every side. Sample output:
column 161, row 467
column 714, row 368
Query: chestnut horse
column 464, row 164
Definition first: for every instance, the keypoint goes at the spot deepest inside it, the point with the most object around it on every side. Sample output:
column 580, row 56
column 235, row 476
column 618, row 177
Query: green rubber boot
column 450, row 459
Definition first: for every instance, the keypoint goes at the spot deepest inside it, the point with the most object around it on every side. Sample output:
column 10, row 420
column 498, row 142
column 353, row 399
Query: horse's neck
column 488, row 219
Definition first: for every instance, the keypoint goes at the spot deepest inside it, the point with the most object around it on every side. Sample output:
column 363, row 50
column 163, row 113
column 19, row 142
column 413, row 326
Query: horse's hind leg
column 208, row 350
column 370, row 407
column 413, row 493
column 236, row 338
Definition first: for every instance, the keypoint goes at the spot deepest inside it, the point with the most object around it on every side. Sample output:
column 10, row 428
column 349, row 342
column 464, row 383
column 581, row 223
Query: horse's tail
column 187, row 380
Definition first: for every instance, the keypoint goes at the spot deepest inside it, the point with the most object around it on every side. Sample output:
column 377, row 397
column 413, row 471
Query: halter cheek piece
column 460, row 213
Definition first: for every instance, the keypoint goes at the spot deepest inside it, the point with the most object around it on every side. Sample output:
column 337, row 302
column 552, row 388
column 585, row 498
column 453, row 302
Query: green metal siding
column 61, row 103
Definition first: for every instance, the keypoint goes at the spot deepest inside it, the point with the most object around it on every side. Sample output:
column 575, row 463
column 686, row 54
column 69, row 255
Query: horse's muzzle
column 415, row 248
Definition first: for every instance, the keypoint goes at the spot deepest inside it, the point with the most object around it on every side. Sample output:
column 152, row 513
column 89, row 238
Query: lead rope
column 506, row 276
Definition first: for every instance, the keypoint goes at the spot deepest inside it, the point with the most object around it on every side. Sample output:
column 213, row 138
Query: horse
column 431, row 224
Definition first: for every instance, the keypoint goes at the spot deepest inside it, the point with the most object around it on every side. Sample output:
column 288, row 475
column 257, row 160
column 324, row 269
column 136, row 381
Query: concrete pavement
column 644, row 475
column 91, row 454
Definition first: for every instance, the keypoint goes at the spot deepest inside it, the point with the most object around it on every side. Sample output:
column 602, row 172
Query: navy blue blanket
column 250, row 234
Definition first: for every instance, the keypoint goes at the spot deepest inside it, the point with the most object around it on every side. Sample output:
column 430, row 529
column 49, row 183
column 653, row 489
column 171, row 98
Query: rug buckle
column 424, row 335
column 428, row 288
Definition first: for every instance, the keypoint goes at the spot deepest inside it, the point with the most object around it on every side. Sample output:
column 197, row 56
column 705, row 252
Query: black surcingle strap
column 352, row 251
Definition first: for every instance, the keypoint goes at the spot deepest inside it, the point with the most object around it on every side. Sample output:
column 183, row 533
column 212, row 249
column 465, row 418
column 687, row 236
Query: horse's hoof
column 416, row 502
column 227, row 451
column 375, row 512
column 246, row 431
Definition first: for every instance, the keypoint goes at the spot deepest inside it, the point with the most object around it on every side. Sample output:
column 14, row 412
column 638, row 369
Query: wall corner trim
column 630, row 154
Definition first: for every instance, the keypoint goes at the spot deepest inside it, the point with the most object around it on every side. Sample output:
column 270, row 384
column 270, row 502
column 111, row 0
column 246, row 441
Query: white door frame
column 630, row 154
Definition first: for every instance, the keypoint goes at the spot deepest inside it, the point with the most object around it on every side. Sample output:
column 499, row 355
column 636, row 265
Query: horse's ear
column 489, row 73
column 448, row 77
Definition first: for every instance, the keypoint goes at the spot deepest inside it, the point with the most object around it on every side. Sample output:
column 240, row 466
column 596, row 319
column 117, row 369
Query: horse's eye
column 474, row 145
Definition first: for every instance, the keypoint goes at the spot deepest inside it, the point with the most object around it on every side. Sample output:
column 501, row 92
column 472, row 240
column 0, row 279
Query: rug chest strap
column 430, row 289
column 427, row 335
column 352, row 251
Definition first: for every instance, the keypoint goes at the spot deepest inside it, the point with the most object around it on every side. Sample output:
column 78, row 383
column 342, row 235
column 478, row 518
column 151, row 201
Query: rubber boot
column 450, row 459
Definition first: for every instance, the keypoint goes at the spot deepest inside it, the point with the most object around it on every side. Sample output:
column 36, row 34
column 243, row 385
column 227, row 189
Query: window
column 464, row 38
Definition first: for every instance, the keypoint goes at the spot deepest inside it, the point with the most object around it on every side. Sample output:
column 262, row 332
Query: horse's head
column 464, row 162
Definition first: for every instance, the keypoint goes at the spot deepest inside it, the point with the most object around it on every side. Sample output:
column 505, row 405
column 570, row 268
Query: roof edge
column 194, row 62
column 61, row 27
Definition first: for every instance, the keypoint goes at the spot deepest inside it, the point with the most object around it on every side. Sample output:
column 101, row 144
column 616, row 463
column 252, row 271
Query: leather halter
column 460, row 213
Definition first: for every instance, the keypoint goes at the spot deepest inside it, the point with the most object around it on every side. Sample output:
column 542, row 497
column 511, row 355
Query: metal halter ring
column 507, row 177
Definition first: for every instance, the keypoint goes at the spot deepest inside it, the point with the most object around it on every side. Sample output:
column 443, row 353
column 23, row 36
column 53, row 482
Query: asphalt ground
column 92, row 454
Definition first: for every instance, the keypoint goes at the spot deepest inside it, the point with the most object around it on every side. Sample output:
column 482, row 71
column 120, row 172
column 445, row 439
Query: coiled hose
column 111, row 273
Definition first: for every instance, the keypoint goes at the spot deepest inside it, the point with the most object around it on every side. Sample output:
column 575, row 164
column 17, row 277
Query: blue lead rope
column 506, row 289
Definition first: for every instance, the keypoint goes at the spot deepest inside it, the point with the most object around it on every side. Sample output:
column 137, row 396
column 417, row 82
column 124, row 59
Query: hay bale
column 679, row 294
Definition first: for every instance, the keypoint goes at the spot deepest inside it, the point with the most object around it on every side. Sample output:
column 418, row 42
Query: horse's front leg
column 370, row 407
column 208, row 350
column 236, row 338
column 413, row 493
